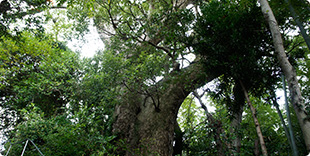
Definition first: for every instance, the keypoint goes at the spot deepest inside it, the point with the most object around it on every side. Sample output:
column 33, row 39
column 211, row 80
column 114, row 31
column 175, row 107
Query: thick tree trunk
column 217, row 125
column 289, row 72
column 236, row 125
column 257, row 125
column 146, row 123
column 237, row 117
column 148, row 130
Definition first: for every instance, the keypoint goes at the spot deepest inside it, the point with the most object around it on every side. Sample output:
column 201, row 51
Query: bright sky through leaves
column 92, row 44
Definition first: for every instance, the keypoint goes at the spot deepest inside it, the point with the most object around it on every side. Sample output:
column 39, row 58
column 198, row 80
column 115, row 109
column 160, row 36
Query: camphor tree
column 153, row 39
column 157, row 53
column 146, row 36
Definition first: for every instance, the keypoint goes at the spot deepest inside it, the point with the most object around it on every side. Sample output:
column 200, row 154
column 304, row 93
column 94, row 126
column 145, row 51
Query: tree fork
column 147, row 131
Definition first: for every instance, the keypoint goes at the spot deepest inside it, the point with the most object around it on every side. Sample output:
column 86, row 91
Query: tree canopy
column 148, row 91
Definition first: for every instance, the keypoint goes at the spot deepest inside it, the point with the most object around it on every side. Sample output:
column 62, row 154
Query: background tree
column 289, row 72
column 36, row 71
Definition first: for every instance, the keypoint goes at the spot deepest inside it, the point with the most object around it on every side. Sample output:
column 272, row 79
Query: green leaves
column 60, row 135
column 19, row 15
column 233, row 39
column 36, row 71
column 189, row 115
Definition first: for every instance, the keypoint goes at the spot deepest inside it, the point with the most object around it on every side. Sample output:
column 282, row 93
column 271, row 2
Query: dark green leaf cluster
column 283, row 13
column 99, row 90
column 232, row 38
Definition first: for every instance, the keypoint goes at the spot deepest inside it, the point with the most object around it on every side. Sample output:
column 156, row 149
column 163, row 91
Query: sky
column 92, row 44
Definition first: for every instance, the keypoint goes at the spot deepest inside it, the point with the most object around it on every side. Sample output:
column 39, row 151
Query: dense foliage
column 39, row 71
column 66, row 105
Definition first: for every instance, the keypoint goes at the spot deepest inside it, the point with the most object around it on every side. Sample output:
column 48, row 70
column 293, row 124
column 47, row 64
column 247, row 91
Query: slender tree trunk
column 283, row 122
column 289, row 72
column 217, row 125
column 257, row 126
column 299, row 24
column 148, row 130
column 290, row 127
column 256, row 147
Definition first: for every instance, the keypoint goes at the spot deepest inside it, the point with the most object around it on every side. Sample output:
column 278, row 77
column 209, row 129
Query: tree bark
column 236, row 125
column 237, row 117
column 256, row 147
column 257, row 126
column 289, row 72
column 150, row 131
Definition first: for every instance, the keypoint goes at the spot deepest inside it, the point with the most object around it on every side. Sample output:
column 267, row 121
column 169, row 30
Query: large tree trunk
column 146, row 123
column 289, row 72
column 149, row 130
column 236, row 126
column 237, row 117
